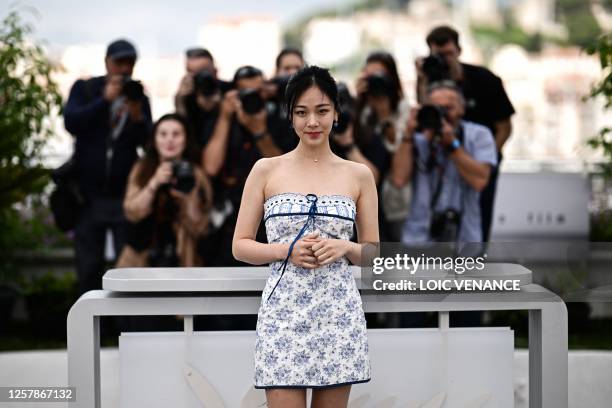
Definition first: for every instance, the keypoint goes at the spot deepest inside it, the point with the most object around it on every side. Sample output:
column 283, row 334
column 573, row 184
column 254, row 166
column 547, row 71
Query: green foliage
column 50, row 284
column 578, row 18
column 603, row 140
column 491, row 37
column 29, row 98
column 601, row 222
column 601, row 226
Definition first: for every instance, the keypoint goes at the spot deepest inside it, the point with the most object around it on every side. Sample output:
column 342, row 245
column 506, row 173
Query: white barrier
column 547, row 317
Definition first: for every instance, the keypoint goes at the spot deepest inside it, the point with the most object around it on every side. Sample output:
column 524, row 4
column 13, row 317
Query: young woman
column 167, row 200
column 311, row 329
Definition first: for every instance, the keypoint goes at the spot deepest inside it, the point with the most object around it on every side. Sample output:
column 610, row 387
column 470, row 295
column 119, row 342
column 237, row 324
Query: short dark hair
column 199, row 52
column 305, row 78
column 287, row 51
column 246, row 71
column 442, row 35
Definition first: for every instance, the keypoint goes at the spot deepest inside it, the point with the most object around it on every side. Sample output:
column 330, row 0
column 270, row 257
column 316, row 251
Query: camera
column 132, row 89
column 163, row 256
column 251, row 101
column 430, row 117
column 445, row 226
column 205, row 83
column 380, row 85
column 280, row 82
column 182, row 171
column 436, row 68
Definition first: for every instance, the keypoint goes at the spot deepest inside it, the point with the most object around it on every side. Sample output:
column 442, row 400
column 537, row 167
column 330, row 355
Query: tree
column 601, row 221
column 29, row 98
column 603, row 140
column 579, row 20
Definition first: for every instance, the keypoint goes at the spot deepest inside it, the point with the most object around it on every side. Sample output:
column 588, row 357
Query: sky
column 157, row 27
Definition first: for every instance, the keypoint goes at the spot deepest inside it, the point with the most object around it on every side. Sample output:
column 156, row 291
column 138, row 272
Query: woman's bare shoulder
column 357, row 170
column 265, row 168
column 267, row 165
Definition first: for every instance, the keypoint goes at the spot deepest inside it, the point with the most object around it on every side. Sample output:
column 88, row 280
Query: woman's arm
column 213, row 155
column 138, row 201
column 367, row 216
column 244, row 246
column 195, row 208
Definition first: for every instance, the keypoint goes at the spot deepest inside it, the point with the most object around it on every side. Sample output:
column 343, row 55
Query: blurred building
column 548, row 90
column 538, row 16
column 482, row 12
column 401, row 34
column 252, row 40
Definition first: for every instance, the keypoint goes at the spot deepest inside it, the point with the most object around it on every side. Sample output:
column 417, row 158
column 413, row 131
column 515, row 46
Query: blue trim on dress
column 264, row 387
column 307, row 213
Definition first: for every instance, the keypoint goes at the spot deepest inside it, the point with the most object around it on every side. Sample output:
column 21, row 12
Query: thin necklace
column 316, row 160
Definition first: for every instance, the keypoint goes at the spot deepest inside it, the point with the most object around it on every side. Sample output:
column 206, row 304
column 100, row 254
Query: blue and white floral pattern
column 311, row 331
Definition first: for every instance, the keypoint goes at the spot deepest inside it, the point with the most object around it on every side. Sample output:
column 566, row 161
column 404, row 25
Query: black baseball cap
column 120, row 49
column 247, row 71
column 198, row 52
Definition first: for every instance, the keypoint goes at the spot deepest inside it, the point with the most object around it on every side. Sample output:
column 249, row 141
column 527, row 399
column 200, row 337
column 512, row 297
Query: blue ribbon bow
column 312, row 212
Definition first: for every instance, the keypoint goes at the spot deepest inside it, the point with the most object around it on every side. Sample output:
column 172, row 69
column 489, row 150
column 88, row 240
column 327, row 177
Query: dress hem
column 259, row 387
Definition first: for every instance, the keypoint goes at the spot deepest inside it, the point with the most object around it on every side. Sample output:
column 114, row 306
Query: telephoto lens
column 380, row 85
column 132, row 89
column 436, row 68
column 430, row 118
column 281, row 82
column 182, row 171
column 205, row 83
column 251, row 101
column 445, row 226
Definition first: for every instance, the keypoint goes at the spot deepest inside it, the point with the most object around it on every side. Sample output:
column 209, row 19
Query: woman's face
column 170, row 140
column 313, row 117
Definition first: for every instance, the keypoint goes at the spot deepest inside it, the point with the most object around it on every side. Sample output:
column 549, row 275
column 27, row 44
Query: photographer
column 453, row 161
column 288, row 62
column 241, row 137
column 199, row 94
column 486, row 100
column 167, row 201
column 373, row 135
column 110, row 117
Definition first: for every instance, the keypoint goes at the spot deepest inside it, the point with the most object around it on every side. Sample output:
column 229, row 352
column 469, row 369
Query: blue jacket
column 87, row 117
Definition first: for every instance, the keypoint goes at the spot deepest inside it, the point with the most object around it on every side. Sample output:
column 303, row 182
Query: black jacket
column 87, row 117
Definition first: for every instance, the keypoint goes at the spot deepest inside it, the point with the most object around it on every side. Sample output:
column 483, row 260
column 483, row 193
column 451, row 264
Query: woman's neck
column 168, row 159
column 319, row 153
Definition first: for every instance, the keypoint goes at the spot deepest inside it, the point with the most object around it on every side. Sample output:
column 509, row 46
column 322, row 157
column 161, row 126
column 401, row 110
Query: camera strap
column 118, row 120
column 441, row 170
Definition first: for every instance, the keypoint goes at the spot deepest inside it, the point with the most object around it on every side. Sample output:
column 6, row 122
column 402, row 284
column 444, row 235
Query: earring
column 335, row 123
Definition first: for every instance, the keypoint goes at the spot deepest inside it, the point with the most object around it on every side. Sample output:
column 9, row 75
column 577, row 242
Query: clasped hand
column 313, row 252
